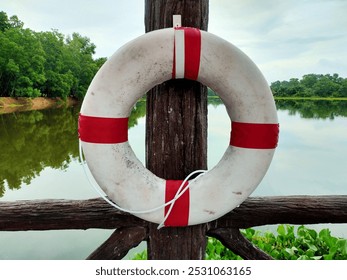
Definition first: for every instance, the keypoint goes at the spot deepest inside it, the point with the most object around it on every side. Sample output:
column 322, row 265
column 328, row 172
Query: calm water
column 39, row 160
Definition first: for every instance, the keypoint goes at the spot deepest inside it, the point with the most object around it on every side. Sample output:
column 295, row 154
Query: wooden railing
column 130, row 231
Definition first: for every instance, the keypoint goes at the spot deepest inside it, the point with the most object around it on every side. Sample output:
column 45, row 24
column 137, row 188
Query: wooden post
column 176, row 132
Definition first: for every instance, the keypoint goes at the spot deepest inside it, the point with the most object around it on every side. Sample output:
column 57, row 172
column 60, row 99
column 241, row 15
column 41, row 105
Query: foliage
column 311, row 85
column 141, row 256
column 215, row 250
column 306, row 244
column 47, row 64
column 138, row 111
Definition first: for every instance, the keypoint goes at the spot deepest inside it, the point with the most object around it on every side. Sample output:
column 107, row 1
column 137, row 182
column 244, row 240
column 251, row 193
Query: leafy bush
column 215, row 250
column 141, row 256
column 306, row 244
column 45, row 64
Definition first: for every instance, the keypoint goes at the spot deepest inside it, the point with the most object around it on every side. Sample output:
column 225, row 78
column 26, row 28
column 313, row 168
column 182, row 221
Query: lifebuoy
column 150, row 60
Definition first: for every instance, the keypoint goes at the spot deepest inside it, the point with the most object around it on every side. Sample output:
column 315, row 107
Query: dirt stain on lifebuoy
column 130, row 164
column 210, row 212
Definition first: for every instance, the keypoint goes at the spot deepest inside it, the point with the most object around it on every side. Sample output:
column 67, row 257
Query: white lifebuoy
column 150, row 60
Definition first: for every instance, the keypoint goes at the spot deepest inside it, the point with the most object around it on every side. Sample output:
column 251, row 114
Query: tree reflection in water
column 31, row 141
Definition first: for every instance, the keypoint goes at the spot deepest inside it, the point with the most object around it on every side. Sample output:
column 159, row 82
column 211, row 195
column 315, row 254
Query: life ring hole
column 137, row 129
column 218, row 131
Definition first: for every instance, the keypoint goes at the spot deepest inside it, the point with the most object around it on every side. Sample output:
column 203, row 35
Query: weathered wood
column 96, row 213
column 173, row 239
column 257, row 211
column 119, row 243
column 176, row 130
column 158, row 13
column 63, row 214
column 236, row 242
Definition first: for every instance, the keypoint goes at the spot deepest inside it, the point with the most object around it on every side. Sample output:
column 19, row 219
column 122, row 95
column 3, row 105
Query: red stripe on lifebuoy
column 254, row 135
column 179, row 214
column 102, row 130
column 192, row 49
column 192, row 53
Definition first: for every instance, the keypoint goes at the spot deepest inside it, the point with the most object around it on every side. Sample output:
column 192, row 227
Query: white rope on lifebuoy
column 150, row 60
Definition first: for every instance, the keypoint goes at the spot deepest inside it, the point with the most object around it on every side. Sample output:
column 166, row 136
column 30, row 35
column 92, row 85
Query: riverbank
column 10, row 104
column 313, row 98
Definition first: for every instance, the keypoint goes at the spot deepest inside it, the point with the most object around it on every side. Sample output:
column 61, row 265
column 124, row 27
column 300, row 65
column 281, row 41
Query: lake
column 39, row 160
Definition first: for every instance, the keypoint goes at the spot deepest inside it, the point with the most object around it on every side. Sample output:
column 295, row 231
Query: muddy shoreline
column 10, row 104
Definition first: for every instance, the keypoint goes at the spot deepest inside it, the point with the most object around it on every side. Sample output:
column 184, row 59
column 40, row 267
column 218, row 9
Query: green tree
column 79, row 60
column 4, row 23
column 325, row 86
column 311, row 85
column 343, row 88
column 21, row 64
column 44, row 64
column 59, row 80
column 295, row 87
column 15, row 22
column 276, row 88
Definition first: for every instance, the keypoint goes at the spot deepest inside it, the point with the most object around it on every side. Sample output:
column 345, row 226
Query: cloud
column 109, row 24
column 284, row 38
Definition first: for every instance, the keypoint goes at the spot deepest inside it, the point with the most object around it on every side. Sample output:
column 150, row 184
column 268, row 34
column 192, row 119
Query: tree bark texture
column 158, row 13
column 58, row 214
column 119, row 243
column 176, row 130
column 258, row 211
column 130, row 231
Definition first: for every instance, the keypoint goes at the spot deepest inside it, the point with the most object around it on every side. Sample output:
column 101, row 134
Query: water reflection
column 307, row 109
column 34, row 140
column 316, row 109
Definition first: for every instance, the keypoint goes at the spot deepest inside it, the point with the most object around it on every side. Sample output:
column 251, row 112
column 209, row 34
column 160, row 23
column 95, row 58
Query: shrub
column 305, row 244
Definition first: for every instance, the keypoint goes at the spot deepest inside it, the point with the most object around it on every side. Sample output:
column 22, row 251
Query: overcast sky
column 285, row 38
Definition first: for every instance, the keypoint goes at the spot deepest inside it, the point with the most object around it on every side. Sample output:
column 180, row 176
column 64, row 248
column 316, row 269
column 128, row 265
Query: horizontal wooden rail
column 96, row 213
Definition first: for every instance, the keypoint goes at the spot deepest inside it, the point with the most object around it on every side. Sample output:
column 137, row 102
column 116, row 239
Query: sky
column 285, row 38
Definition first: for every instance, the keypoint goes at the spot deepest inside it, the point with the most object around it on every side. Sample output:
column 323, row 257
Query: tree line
column 47, row 64
column 311, row 85
column 50, row 64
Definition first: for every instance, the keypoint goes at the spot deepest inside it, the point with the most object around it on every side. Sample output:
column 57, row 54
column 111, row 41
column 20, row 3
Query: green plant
column 141, row 256
column 306, row 244
column 215, row 250
column 287, row 244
